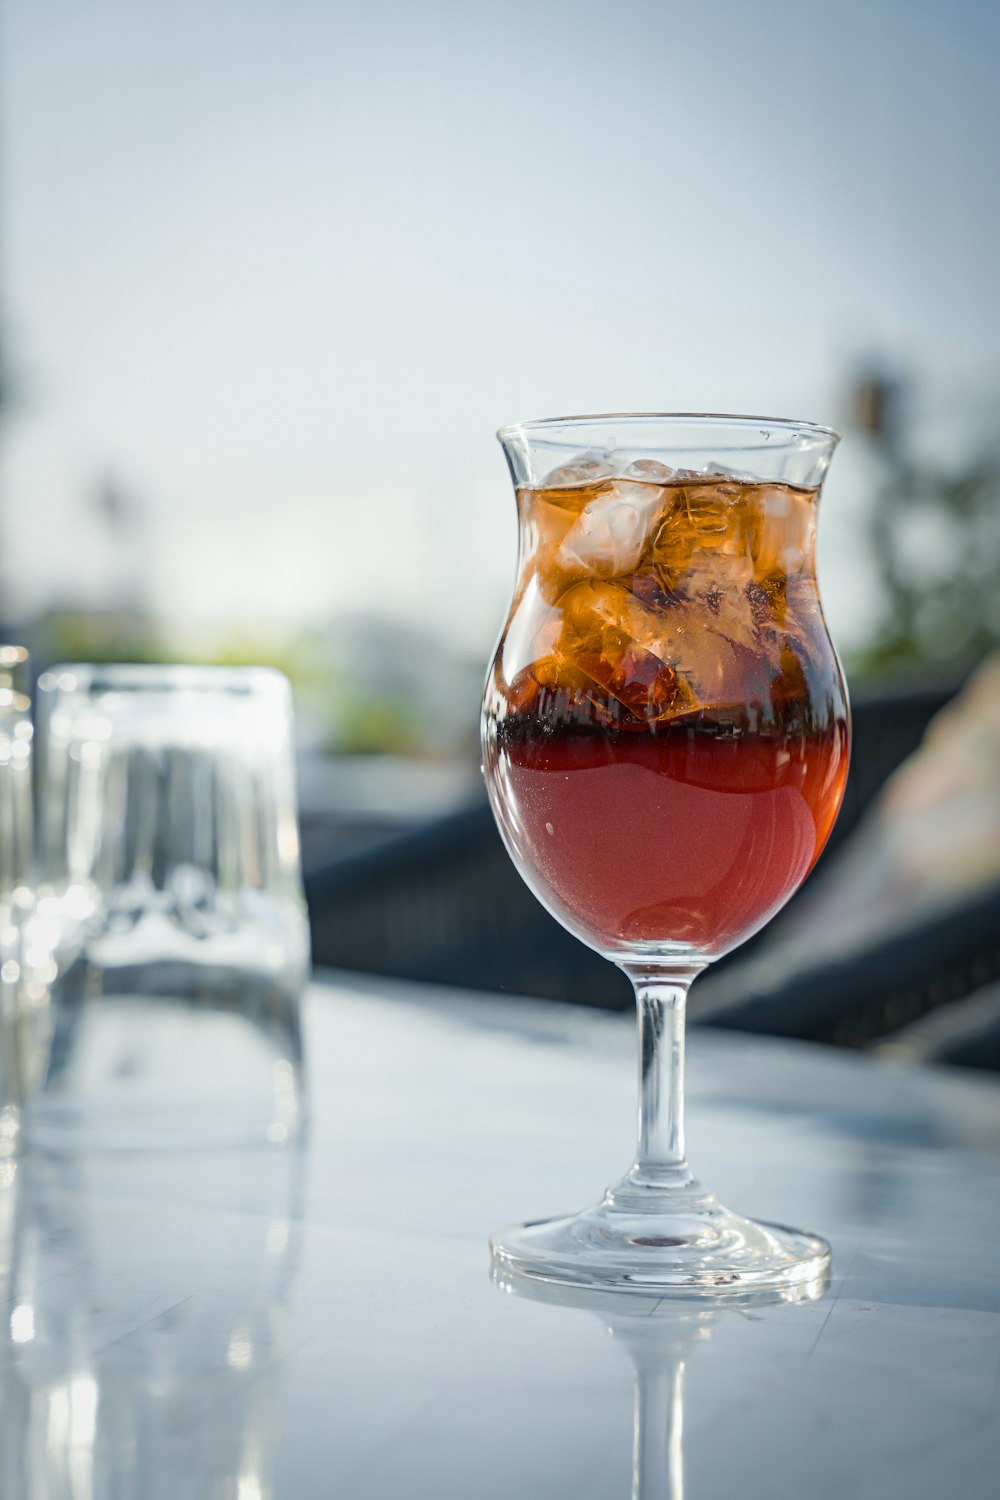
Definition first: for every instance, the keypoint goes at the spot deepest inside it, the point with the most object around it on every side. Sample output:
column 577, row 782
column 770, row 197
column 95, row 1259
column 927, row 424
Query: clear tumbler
column 172, row 893
column 15, row 857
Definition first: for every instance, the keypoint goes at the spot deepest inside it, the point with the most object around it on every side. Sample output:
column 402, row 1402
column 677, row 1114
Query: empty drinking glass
column 15, row 854
column 171, row 886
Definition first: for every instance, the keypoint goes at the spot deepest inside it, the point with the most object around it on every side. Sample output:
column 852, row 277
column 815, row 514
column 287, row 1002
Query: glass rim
column 86, row 676
column 789, row 425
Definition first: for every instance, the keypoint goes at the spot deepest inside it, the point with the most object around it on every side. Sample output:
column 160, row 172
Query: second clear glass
column 170, row 911
column 17, row 1061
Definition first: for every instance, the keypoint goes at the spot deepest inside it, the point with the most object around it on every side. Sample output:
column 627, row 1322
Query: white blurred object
column 931, row 840
column 940, row 812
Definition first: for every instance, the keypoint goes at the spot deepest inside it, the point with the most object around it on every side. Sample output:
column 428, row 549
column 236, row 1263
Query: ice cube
column 610, row 534
column 589, row 468
column 650, row 470
column 717, row 589
column 554, row 688
column 781, row 526
column 717, row 656
column 722, row 471
column 532, row 632
column 547, row 516
column 612, row 637
column 617, row 460
column 799, row 620
column 661, row 662
column 702, row 519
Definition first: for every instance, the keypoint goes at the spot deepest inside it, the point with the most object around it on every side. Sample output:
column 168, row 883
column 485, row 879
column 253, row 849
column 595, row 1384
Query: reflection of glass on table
column 658, row 1339
column 123, row 1381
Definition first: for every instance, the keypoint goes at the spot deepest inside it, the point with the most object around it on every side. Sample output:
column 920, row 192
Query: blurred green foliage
column 362, row 702
column 937, row 544
column 935, row 539
column 103, row 636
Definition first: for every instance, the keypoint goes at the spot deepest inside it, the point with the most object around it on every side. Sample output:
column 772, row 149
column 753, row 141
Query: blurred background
column 271, row 275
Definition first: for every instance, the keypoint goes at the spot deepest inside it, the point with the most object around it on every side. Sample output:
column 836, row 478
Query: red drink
column 693, row 836
column 666, row 730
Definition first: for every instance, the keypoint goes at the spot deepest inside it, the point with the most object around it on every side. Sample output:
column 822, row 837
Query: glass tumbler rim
column 194, row 676
column 710, row 420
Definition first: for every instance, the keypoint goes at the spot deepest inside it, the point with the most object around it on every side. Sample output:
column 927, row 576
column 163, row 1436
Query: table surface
column 320, row 1321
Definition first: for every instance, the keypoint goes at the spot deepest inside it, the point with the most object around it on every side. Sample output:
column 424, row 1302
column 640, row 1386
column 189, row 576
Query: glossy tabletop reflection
column 322, row 1322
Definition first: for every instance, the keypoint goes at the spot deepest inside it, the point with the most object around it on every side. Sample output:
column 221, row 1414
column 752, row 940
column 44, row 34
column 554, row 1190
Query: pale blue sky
column 282, row 266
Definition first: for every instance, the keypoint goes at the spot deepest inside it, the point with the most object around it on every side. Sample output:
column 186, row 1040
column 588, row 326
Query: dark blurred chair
column 858, row 994
column 887, row 725
column 963, row 1035
column 444, row 904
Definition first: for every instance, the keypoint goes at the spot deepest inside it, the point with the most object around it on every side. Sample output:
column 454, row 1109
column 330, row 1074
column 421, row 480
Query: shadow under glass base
column 685, row 1244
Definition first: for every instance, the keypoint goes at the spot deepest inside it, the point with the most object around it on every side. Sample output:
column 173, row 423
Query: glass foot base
column 695, row 1248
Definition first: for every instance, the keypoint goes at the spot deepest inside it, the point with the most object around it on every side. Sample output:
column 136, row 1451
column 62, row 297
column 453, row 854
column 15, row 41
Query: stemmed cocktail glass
column 665, row 736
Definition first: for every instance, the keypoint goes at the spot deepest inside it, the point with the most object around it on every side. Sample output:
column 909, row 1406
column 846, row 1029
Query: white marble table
column 321, row 1322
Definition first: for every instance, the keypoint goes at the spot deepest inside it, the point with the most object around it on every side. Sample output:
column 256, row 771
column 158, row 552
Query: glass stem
column 660, row 1161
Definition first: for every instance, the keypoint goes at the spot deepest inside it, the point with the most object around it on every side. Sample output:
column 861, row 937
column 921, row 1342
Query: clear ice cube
column 650, row 470
column 718, row 589
column 609, row 536
column 658, row 663
column 589, row 468
column 782, row 531
column 722, row 471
